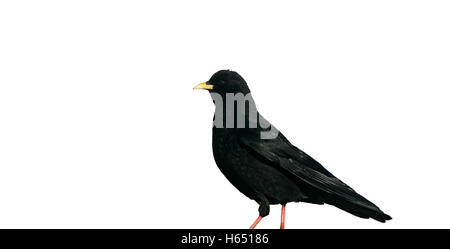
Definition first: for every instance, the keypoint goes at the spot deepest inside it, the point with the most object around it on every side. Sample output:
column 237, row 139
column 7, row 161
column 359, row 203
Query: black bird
column 261, row 163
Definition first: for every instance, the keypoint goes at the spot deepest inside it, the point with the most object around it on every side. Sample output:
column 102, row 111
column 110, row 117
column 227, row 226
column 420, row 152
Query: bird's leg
column 283, row 209
column 263, row 210
column 256, row 222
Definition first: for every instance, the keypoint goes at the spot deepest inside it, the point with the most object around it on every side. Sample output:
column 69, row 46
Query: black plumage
column 272, row 170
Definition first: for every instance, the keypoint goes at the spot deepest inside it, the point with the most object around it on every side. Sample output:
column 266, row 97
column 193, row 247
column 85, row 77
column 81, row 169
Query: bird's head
column 235, row 107
column 225, row 81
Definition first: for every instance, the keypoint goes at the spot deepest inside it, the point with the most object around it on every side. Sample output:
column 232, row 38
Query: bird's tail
column 364, row 209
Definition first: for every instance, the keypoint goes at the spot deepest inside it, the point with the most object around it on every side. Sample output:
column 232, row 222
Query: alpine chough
column 261, row 162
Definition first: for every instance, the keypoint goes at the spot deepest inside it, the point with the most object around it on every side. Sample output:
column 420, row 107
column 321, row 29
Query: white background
column 100, row 127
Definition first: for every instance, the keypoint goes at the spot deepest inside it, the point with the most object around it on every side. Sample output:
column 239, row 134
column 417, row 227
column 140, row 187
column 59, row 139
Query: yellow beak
column 204, row 86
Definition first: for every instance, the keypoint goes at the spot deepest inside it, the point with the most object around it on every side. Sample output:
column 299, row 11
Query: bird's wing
column 279, row 152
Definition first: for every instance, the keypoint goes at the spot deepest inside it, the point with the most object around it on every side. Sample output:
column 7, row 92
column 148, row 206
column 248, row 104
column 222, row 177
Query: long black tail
column 331, row 190
column 363, row 209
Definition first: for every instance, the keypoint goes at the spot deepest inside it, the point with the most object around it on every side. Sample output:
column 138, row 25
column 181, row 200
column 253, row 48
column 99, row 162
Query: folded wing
column 280, row 153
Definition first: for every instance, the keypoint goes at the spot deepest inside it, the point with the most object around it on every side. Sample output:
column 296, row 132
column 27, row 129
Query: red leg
column 256, row 222
column 283, row 209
